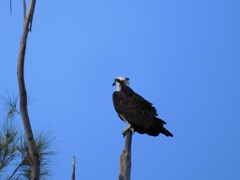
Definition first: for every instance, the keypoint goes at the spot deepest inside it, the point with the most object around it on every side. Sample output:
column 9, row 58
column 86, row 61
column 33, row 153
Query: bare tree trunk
column 34, row 157
column 125, row 158
column 73, row 167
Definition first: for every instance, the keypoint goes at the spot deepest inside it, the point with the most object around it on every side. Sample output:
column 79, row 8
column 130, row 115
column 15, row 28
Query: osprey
column 136, row 111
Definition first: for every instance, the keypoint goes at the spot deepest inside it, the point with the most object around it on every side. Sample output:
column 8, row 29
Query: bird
column 137, row 112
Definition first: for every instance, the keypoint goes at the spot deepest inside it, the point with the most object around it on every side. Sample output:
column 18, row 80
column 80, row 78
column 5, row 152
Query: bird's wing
column 135, row 110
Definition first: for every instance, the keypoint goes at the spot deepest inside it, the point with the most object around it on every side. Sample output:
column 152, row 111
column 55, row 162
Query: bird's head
column 120, row 81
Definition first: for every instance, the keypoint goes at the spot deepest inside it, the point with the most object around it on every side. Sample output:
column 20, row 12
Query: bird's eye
column 127, row 78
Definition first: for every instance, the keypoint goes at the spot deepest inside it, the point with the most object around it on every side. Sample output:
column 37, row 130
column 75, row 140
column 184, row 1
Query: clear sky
column 183, row 56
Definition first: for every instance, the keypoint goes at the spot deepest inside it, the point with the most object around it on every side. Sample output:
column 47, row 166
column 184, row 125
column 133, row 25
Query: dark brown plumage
column 136, row 111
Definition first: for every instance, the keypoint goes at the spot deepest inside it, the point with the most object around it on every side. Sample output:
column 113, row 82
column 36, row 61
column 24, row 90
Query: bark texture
column 125, row 158
column 33, row 156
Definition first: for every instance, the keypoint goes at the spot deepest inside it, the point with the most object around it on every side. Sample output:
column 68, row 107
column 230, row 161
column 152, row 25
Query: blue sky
column 183, row 56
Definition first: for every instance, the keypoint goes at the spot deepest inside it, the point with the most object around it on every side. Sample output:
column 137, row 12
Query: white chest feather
column 118, row 86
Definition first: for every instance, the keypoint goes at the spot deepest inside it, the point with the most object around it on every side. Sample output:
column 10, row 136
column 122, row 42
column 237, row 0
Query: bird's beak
column 113, row 84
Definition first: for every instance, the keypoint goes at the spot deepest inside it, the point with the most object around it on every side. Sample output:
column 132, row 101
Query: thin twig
column 21, row 151
column 24, row 9
column 15, row 170
column 10, row 7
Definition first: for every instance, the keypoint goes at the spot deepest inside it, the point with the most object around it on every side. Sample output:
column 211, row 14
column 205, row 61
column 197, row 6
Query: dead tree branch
column 73, row 167
column 125, row 158
column 34, row 155
column 24, row 9
column 10, row 7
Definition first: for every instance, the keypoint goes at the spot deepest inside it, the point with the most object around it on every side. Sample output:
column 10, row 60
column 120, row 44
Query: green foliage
column 8, row 142
column 44, row 142
column 9, row 157
column 9, row 104
column 14, row 151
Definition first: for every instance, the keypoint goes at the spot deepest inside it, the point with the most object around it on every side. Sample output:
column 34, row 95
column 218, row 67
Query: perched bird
column 136, row 111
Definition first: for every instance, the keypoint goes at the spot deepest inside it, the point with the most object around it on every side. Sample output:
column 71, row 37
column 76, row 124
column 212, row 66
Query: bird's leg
column 126, row 129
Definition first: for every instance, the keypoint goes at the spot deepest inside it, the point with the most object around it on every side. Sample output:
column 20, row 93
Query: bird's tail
column 162, row 129
column 166, row 132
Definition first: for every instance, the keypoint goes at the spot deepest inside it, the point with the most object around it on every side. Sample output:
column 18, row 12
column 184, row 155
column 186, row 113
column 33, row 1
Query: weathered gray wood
column 125, row 158
column 34, row 157
column 73, row 167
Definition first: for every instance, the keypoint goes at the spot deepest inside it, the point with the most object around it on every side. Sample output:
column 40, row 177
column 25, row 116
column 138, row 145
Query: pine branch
column 125, row 158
